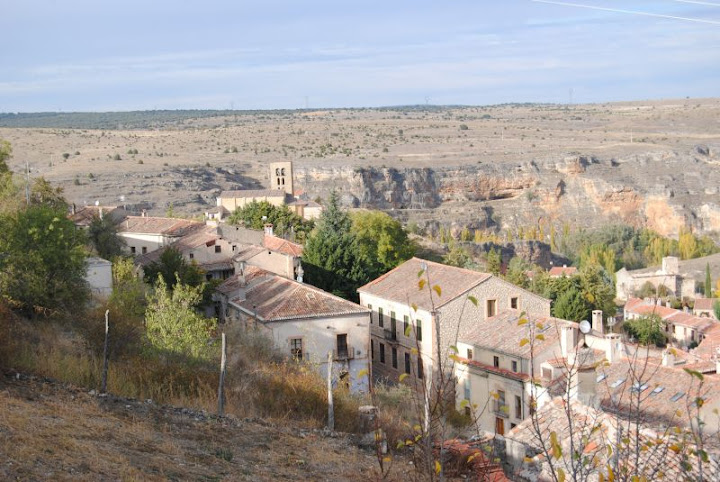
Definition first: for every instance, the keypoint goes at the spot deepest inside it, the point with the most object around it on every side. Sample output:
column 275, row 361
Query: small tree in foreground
column 173, row 322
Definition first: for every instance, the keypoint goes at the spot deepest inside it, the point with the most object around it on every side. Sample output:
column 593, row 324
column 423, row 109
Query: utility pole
column 27, row 182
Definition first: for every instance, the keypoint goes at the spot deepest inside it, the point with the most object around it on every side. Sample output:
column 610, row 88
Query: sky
column 93, row 55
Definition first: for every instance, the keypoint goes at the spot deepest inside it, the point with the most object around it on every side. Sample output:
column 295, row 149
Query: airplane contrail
column 633, row 12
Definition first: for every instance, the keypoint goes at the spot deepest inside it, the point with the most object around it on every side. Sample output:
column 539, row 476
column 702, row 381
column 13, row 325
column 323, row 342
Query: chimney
column 597, row 321
column 143, row 214
column 583, row 378
column 613, row 348
column 269, row 229
column 100, row 212
column 568, row 340
column 668, row 357
column 300, row 272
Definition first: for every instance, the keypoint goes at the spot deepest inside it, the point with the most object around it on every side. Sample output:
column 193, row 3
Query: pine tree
column 708, row 281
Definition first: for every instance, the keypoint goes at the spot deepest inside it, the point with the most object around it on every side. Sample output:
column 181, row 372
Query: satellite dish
column 122, row 198
column 97, row 203
column 585, row 327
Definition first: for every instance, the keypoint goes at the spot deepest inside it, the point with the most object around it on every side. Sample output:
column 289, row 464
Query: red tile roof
column 523, row 377
column 557, row 271
column 283, row 246
column 158, row 226
column 502, row 333
column 274, row 298
column 671, row 315
column 705, row 304
column 206, row 236
column 401, row 283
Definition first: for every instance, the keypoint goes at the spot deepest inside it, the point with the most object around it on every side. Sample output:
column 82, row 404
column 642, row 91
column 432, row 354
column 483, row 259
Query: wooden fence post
column 331, row 411
column 221, row 385
column 103, row 386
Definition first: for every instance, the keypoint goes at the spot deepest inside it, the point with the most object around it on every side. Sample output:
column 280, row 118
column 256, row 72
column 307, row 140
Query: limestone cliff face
column 664, row 191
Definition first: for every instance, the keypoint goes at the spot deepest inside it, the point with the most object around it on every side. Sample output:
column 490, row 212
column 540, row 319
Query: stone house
column 681, row 327
column 705, row 307
column 405, row 319
column 144, row 234
column 304, row 322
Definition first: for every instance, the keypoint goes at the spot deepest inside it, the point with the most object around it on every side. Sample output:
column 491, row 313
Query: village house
column 679, row 278
column 507, row 364
column 83, row 216
column 144, row 234
column 564, row 270
column 304, row 322
column 404, row 318
column 681, row 327
column 635, row 398
column 705, row 307
column 98, row 274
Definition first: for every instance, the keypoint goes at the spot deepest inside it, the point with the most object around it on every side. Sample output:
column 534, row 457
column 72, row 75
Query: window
column 499, row 426
column 132, row 249
column 514, row 302
column 342, row 346
column 406, row 325
column 296, row 349
column 518, row 407
column 234, row 247
column 380, row 317
column 617, row 383
column 639, row 387
column 394, row 357
column 513, row 425
column 144, row 249
column 393, row 324
column 218, row 248
column 514, row 366
column 191, row 255
column 371, row 315
column 282, row 181
column 418, row 330
column 496, row 361
column 677, row 396
column 469, row 354
column 382, row 353
column 547, row 373
column 407, row 363
column 600, row 378
column 467, row 389
column 490, row 308
column 420, row 368
column 658, row 389
column 372, row 349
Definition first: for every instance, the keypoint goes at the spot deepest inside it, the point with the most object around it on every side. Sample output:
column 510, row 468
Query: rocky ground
column 54, row 431
column 649, row 163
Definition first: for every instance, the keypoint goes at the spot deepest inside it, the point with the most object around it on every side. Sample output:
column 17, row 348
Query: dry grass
column 52, row 431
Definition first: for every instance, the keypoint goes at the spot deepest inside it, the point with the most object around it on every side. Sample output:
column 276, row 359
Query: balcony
column 347, row 353
column 501, row 408
column 390, row 335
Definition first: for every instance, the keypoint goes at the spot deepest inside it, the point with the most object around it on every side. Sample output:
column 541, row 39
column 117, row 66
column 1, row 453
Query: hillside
column 50, row 430
column 645, row 163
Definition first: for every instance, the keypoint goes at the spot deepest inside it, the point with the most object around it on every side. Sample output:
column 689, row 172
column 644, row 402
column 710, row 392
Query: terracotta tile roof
column 592, row 431
column 710, row 342
column 557, row 271
column 233, row 284
column 401, row 283
column 671, row 315
column 247, row 251
column 283, row 246
column 480, row 467
column 274, row 298
column 158, row 225
column 206, row 236
column 501, row 333
column 246, row 193
column 667, row 390
column 84, row 215
column 705, row 304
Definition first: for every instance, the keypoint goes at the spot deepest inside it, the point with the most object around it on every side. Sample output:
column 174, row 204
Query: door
column 499, row 426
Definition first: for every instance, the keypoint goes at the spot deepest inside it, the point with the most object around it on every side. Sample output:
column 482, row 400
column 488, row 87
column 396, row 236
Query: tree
column 331, row 258
column 104, row 238
column 173, row 323
column 571, row 305
column 5, row 153
column 42, row 192
column 716, row 309
column 173, row 266
column 517, row 272
column 256, row 214
column 648, row 330
column 129, row 292
column 457, row 256
column 43, row 262
column 494, row 261
column 708, row 281
column 687, row 244
column 381, row 241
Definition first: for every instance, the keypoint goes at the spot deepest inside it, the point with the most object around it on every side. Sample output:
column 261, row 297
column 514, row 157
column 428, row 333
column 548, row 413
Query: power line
column 632, row 12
